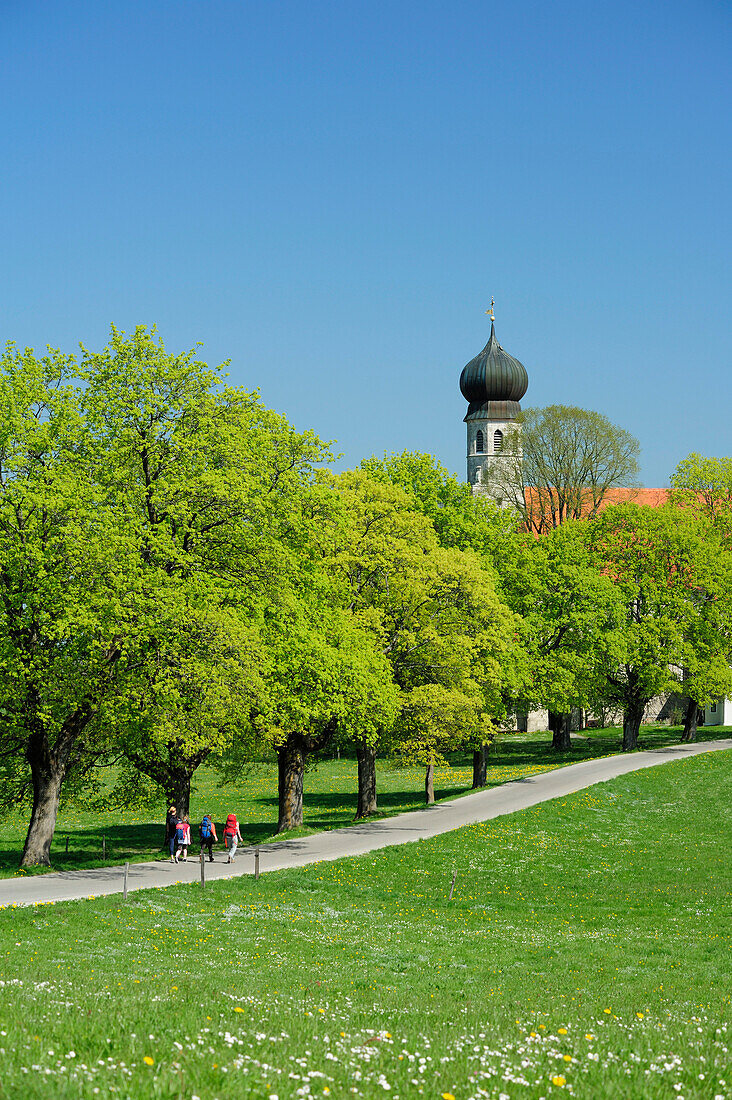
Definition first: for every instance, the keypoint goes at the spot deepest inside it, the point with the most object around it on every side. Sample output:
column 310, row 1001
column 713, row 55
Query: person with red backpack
column 207, row 829
column 231, row 836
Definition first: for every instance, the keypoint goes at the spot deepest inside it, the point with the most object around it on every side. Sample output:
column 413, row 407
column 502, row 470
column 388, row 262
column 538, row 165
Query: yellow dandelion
column 567, row 1057
column 238, row 1009
column 608, row 1011
column 559, row 1081
column 447, row 1096
column 639, row 1015
column 588, row 1036
column 148, row 1060
column 561, row 1031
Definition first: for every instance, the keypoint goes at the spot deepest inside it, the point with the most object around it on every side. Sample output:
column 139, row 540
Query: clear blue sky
column 328, row 194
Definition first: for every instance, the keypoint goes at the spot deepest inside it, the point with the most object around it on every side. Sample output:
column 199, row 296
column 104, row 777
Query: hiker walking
column 171, row 825
column 207, row 829
column 182, row 838
column 231, row 836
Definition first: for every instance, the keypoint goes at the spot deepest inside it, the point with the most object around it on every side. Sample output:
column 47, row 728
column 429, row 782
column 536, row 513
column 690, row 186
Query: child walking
column 182, row 838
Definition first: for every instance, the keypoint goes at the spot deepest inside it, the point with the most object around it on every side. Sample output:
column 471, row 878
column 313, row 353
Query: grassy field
column 586, row 951
column 330, row 798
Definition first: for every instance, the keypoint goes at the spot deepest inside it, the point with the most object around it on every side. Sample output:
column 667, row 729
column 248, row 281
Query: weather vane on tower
column 490, row 311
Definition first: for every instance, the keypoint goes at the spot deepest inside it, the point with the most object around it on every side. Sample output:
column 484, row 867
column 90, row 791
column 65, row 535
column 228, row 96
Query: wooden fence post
column 256, row 863
column 203, row 871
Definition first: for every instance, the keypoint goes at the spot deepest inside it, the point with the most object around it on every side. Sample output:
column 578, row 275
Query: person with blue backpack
column 207, row 829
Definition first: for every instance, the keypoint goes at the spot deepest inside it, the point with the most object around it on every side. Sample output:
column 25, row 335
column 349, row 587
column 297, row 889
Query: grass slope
column 330, row 798
column 586, row 951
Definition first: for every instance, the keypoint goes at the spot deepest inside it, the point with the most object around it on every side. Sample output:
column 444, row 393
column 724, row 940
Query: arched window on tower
column 497, row 441
column 479, row 443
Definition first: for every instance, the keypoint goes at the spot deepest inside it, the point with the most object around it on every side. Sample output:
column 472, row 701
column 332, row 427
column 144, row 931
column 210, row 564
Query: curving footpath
column 354, row 840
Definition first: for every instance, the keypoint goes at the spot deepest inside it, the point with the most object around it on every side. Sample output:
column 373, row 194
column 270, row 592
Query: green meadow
column 330, row 798
column 585, row 951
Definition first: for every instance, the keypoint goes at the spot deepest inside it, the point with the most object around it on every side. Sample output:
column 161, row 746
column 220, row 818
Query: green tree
column 224, row 493
column 669, row 571
column 381, row 552
column 461, row 520
column 568, row 609
column 703, row 486
column 126, row 486
column 433, row 611
column 561, row 464
column 327, row 678
column 69, row 581
column 194, row 690
column 433, row 720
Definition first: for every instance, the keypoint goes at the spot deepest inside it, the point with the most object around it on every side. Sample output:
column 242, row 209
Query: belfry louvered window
column 497, row 441
column 479, row 443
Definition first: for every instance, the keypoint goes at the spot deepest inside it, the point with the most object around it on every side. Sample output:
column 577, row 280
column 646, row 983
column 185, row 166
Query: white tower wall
column 480, row 461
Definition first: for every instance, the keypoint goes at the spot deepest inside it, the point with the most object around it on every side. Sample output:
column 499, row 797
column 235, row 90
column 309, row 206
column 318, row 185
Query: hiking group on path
column 178, row 836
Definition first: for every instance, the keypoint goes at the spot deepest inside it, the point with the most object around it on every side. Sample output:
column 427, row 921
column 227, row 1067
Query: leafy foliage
column 560, row 464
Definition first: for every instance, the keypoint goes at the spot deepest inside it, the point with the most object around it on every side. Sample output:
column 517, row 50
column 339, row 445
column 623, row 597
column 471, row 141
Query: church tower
column 493, row 383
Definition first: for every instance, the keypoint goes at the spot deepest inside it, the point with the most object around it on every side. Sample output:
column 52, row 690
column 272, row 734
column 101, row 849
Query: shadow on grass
column 131, row 843
column 325, row 810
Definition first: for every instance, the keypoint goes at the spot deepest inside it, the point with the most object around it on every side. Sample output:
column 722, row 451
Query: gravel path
column 355, row 840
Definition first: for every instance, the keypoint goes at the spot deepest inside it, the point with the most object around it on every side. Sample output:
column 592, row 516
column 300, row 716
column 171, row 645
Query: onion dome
column 494, row 383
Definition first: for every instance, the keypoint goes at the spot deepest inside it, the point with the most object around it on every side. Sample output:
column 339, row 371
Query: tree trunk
column 178, row 793
column 691, row 721
column 291, row 770
column 429, row 785
column 560, row 723
column 174, row 777
column 366, row 756
column 632, row 717
column 480, row 767
column 48, row 776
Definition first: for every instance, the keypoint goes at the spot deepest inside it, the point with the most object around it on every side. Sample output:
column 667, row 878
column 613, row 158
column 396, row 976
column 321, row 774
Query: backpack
column 230, row 826
column 180, row 832
column 206, row 828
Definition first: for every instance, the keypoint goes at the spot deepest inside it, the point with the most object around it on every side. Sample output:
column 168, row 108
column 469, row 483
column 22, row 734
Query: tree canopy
column 135, row 489
column 183, row 579
column 560, row 463
column 668, row 570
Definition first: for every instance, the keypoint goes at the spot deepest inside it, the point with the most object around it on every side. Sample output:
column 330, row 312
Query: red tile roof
column 540, row 504
column 653, row 498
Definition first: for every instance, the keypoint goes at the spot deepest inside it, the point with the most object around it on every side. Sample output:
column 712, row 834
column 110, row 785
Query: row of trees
column 184, row 579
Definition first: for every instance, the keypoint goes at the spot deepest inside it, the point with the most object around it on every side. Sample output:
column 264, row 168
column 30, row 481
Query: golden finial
column 490, row 311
